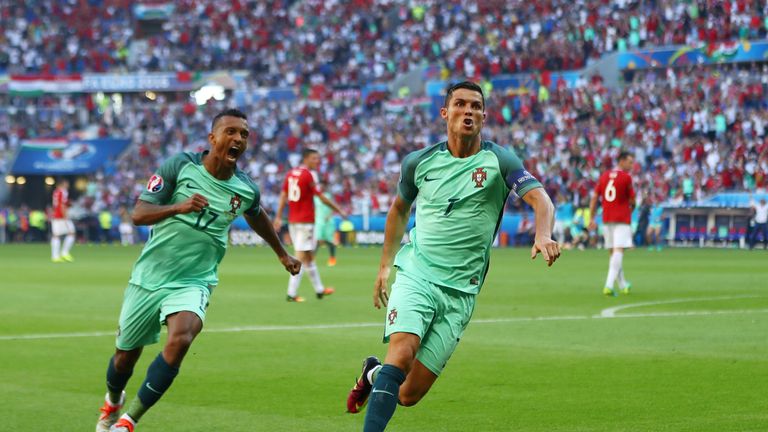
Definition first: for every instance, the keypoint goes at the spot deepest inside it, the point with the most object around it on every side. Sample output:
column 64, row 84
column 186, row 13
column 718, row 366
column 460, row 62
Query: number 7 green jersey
column 186, row 249
column 459, row 205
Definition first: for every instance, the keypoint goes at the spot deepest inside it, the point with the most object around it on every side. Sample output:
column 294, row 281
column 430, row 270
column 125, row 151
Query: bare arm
column 544, row 213
column 592, row 210
column 146, row 213
column 397, row 220
column 327, row 201
column 278, row 221
column 263, row 227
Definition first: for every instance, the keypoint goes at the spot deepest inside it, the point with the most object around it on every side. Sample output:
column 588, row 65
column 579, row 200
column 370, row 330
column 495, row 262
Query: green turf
column 668, row 365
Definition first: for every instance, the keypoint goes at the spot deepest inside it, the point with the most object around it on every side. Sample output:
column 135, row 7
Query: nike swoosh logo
column 427, row 179
column 150, row 387
column 192, row 186
column 382, row 391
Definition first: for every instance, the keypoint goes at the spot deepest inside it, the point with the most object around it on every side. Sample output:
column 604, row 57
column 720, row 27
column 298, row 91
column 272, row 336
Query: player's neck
column 462, row 146
column 217, row 169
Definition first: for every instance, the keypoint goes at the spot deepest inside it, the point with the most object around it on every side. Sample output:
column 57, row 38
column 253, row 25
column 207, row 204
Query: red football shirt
column 615, row 190
column 300, row 188
column 60, row 203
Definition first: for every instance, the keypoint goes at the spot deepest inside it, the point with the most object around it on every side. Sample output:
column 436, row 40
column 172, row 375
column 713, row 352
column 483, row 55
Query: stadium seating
column 357, row 41
column 670, row 119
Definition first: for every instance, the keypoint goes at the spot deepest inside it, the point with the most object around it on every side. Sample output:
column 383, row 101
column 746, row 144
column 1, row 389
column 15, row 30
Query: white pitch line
column 363, row 325
column 611, row 311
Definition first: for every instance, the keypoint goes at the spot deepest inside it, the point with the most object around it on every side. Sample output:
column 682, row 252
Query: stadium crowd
column 289, row 42
column 693, row 132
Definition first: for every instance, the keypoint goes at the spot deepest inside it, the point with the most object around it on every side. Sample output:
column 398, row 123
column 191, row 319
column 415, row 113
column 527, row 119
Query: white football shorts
column 302, row 236
column 60, row 227
column 617, row 235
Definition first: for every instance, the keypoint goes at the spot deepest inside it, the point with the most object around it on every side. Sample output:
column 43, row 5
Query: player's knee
column 181, row 340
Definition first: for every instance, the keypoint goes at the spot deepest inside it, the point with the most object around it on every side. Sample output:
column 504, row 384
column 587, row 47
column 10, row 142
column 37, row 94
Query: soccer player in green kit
column 325, row 229
column 460, row 187
column 191, row 200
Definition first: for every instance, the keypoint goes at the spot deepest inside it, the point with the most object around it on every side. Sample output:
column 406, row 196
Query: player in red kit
column 618, row 199
column 299, row 189
column 61, row 226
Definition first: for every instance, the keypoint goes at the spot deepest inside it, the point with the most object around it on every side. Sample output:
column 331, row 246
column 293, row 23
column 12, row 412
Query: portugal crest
column 478, row 176
column 392, row 316
column 235, row 203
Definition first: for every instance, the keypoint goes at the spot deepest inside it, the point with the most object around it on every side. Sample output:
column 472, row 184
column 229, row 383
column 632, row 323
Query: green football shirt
column 322, row 212
column 459, row 205
column 186, row 249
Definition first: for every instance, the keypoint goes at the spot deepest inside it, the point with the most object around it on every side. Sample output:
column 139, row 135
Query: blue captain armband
column 521, row 181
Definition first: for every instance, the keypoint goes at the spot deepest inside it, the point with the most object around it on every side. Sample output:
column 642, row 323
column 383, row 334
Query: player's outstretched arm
column 146, row 213
column 592, row 209
column 263, row 227
column 330, row 203
column 544, row 213
column 278, row 221
column 397, row 220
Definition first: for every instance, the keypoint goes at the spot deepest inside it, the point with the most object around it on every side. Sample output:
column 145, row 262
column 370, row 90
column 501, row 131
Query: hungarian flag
column 45, row 143
column 36, row 85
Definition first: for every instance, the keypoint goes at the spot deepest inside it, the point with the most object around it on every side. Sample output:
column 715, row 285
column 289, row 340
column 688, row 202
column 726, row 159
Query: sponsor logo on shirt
column 155, row 184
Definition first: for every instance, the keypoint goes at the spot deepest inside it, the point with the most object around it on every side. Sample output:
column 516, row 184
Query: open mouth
column 233, row 153
column 469, row 122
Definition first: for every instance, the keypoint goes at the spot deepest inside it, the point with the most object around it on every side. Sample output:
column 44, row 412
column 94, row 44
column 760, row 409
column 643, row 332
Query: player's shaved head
column 231, row 112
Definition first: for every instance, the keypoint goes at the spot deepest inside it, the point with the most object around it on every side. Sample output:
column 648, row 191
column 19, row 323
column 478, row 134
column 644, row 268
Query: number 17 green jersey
column 459, row 205
column 185, row 250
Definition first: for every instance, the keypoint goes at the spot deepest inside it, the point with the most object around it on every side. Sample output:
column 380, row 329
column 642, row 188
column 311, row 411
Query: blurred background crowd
column 694, row 130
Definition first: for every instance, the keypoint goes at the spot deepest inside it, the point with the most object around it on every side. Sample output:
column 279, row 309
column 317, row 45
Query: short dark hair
column 231, row 112
column 623, row 155
column 307, row 151
column 469, row 85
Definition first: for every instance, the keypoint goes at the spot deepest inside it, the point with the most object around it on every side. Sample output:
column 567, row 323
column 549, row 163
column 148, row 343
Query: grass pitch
column 686, row 351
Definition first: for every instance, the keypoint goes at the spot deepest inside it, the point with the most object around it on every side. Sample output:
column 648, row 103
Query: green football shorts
column 437, row 314
column 144, row 312
column 325, row 231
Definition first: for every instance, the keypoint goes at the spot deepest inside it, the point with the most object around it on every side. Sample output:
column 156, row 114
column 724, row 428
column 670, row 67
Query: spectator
column 761, row 224
column 525, row 231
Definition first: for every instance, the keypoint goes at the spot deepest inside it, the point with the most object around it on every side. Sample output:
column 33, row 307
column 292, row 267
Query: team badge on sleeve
column 155, row 184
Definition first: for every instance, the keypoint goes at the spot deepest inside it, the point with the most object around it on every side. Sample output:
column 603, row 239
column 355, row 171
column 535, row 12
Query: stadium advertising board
column 33, row 85
column 133, row 82
column 722, row 52
column 62, row 156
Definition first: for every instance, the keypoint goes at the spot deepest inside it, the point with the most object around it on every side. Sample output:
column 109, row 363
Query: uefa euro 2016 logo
column 155, row 184
column 478, row 176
